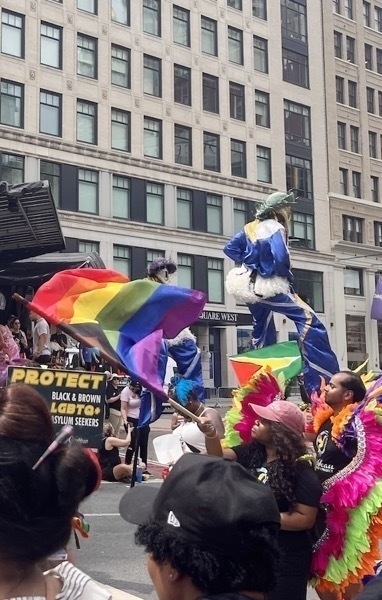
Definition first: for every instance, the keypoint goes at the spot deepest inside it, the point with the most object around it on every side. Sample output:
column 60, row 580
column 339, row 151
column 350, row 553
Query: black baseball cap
column 208, row 500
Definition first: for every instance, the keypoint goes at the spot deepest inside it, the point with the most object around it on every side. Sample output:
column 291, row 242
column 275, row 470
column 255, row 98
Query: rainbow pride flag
column 283, row 358
column 126, row 320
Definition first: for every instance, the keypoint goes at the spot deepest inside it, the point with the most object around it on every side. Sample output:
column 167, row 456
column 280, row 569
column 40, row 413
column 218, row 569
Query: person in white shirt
column 130, row 407
column 41, row 339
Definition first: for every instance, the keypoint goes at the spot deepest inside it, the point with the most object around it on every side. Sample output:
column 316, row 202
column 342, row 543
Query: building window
column 356, row 179
column 12, row 103
column 51, row 45
column 352, row 89
column 238, row 158
column 155, row 203
column 214, row 214
column 181, row 25
column 348, row 9
column 88, row 191
column 152, row 17
column 210, row 93
column 51, row 172
column 260, row 54
column 184, row 208
column 12, row 168
column 336, row 6
column 355, row 338
column 262, row 115
column 340, row 90
column 350, row 49
column 368, row 57
column 302, row 230
column 310, row 287
column 341, row 135
column 374, row 186
column 209, row 36
column 378, row 18
column 353, row 282
column 86, row 122
column 379, row 60
column 121, row 197
column 12, row 33
column 354, row 139
column 120, row 11
column 263, row 159
column 259, row 9
column 366, row 14
column 337, row 44
column 238, row 4
column 297, row 124
column 152, row 75
column 152, row 135
column 235, row 46
column 239, row 214
column 369, row 100
column 352, row 229
column 89, row 6
column 122, row 259
column 293, row 21
column 377, row 233
column 182, row 85
column 372, row 144
column 344, row 188
column 295, row 68
column 215, row 280
column 50, row 113
column 120, row 66
column 120, row 130
column 211, row 151
column 183, row 145
column 299, row 176
column 185, row 272
column 87, row 247
column 236, row 101
column 380, row 104
column 86, row 56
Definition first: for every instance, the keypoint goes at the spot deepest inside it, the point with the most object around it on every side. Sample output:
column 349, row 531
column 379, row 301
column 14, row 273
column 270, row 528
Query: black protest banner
column 74, row 398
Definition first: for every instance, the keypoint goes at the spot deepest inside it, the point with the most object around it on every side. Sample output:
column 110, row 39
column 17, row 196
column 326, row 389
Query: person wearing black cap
column 210, row 531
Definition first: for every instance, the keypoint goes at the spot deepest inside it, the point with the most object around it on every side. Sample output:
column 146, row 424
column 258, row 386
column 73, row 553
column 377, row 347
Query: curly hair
column 282, row 473
column 216, row 572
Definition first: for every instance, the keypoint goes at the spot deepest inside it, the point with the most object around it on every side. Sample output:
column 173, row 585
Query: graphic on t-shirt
column 321, row 442
column 262, row 475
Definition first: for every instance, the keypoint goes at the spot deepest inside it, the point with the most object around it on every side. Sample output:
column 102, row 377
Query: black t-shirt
column 225, row 596
column 108, row 458
column 330, row 458
column 307, row 491
column 111, row 391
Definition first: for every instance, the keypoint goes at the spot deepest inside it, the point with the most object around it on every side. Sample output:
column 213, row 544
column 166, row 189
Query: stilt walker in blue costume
column 182, row 349
column 264, row 281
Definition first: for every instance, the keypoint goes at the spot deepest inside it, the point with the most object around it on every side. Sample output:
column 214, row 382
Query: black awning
column 29, row 223
column 36, row 270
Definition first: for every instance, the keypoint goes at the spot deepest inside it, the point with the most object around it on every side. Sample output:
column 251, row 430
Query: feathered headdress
column 274, row 203
column 262, row 389
column 182, row 389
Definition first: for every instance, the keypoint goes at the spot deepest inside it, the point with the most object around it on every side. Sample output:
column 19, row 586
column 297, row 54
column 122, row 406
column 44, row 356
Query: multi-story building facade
column 160, row 124
column 353, row 83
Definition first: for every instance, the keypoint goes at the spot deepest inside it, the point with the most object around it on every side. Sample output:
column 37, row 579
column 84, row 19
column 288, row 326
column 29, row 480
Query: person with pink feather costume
column 265, row 434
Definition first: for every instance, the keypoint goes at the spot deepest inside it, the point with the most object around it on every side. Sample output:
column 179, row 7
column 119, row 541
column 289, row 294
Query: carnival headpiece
column 275, row 203
column 262, row 389
column 161, row 269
